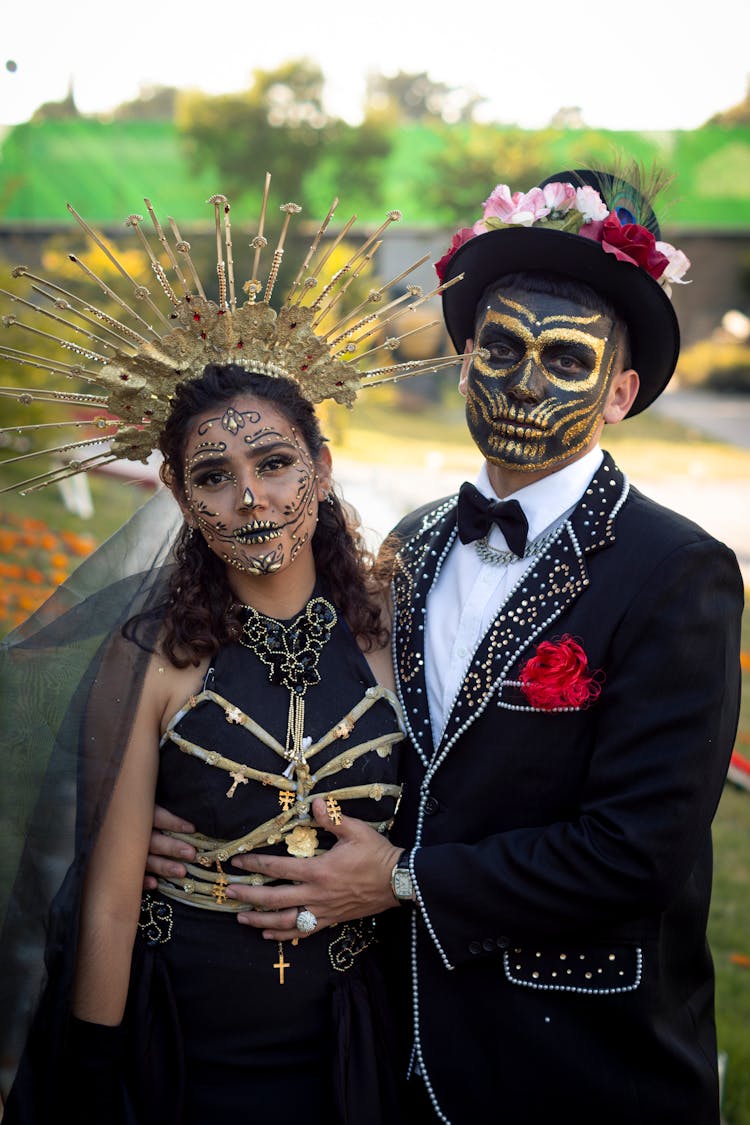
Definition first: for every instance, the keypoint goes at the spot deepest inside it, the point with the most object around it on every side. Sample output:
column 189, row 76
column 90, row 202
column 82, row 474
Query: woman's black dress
column 224, row 1025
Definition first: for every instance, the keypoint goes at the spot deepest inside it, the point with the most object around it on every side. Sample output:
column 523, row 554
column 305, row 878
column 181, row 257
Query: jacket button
column 475, row 947
column 488, row 945
column 431, row 806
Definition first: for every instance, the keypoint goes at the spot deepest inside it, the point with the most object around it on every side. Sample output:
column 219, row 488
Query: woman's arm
column 112, row 891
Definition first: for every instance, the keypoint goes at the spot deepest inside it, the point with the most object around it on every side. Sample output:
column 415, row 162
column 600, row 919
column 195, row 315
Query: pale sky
column 650, row 64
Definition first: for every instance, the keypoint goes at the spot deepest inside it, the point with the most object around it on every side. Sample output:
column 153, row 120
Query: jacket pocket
column 599, row 970
column 511, row 698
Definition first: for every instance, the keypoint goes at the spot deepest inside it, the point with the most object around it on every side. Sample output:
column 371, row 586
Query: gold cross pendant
column 281, row 964
column 333, row 808
column 219, row 888
column 238, row 780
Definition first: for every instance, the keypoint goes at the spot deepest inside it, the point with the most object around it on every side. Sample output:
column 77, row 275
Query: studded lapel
column 417, row 566
column 553, row 581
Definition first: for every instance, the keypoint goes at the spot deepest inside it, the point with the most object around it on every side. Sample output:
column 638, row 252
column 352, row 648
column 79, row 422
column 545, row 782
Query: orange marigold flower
column 83, row 546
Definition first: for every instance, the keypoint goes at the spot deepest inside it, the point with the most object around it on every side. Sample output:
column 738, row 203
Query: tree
column 737, row 115
column 416, row 97
column 465, row 168
column 154, row 103
column 351, row 168
column 278, row 125
column 64, row 110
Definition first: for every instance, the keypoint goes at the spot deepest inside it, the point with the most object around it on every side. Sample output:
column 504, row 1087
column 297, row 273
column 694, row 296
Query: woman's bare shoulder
column 167, row 687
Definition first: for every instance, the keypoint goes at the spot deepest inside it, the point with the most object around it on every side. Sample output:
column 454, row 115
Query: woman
column 235, row 678
column 267, row 682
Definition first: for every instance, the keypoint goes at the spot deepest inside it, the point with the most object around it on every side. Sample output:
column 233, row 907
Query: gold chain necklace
column 291, row 653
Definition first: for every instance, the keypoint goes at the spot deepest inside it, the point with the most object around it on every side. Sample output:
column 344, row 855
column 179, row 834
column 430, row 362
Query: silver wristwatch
column 401, row 880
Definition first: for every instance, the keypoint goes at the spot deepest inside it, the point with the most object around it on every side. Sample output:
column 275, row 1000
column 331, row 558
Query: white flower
column 590, row 204
column 677, row 266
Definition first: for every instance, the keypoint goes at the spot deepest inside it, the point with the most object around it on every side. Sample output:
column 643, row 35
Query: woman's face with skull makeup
column 536, row 394
column 251, row 486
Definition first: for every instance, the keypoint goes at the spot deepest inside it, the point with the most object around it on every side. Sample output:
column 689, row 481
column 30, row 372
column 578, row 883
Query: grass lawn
column 377, row 431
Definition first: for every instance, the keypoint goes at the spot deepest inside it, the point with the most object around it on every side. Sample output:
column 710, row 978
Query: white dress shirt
column 469, row 593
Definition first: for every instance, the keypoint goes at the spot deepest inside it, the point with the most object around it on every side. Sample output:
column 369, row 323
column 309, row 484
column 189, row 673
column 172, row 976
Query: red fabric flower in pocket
column 558, row 676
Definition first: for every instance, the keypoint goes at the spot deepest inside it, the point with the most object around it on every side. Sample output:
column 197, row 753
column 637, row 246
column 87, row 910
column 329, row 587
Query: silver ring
column 306, row 921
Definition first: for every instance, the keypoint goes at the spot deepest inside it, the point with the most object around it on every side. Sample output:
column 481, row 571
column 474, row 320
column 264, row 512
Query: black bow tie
column 476, row 515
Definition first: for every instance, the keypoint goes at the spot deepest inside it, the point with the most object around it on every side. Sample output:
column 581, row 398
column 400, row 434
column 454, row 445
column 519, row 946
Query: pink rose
column 530, row 208
column 559, row 197
column 522, row 209
column 633, row 243
column 458, row 239
column 500, row 204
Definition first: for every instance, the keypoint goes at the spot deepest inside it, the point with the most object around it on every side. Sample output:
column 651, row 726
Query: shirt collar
column 548, row 500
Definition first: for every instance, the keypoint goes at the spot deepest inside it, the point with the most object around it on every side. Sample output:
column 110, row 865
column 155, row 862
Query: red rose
column 633, row 243
column 458, row 239
column 558, row 676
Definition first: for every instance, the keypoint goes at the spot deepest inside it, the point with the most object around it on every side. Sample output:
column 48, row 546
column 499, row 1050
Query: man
column 570, row 686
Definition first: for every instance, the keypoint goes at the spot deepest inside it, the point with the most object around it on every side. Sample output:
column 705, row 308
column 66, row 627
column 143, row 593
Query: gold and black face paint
column 537, row 389
column 257, row 462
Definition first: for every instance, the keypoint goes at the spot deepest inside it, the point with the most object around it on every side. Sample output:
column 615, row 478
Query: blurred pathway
column 726, row 417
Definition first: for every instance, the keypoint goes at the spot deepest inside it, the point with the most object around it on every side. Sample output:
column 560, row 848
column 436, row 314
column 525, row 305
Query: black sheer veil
column 69, row 686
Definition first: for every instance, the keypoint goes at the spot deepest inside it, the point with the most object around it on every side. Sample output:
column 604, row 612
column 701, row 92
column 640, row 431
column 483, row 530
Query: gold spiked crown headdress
column 139, row 358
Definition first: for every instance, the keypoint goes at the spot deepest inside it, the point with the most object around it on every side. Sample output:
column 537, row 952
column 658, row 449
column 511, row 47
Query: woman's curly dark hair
column 201, row 612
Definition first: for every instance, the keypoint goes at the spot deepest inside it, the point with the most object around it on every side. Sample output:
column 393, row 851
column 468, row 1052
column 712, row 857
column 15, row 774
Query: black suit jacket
column 559, row 962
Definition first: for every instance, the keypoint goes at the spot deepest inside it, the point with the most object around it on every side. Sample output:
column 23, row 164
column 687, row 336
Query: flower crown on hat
column 581, row 211
column 138, row 358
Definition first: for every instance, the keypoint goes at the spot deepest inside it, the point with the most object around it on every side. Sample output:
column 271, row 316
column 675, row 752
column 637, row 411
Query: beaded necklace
column 291, row 653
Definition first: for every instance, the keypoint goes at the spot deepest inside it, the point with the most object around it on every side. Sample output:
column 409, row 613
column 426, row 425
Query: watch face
column 402, row 887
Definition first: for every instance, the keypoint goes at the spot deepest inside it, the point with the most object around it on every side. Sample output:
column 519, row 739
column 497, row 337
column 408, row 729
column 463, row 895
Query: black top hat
column 636, row 296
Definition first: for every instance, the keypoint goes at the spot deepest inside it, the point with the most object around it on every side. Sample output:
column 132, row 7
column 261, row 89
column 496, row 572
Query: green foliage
column 738, row 114
column 470, row 161
column 712, row 168
column 103, row 169
column 407, row 98
column 729, row 936
column 350, row 168
column 437, row 174
column 276, row 126
column 155, row 103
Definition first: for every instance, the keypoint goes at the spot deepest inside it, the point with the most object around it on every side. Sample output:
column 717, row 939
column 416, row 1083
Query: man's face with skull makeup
column 535, row 396
column 251, row 486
